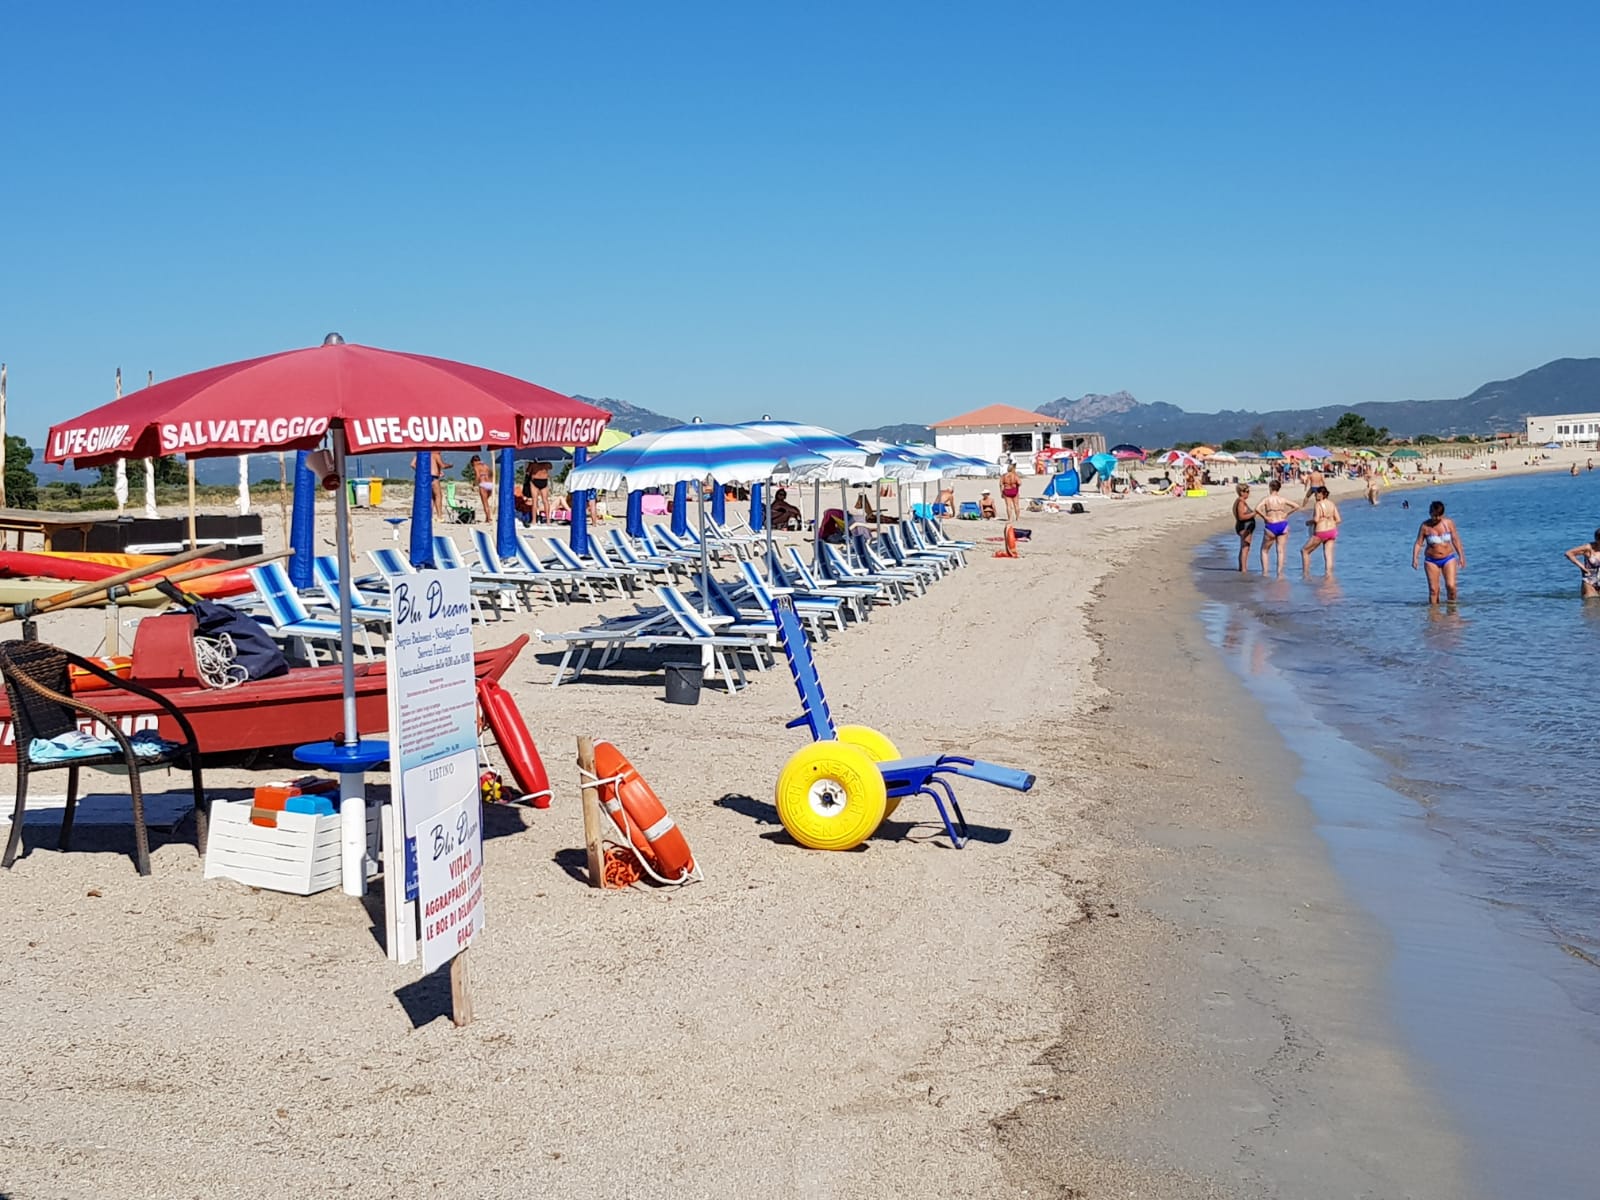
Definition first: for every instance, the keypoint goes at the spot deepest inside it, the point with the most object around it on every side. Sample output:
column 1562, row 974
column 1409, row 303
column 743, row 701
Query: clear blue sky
column 849, row 213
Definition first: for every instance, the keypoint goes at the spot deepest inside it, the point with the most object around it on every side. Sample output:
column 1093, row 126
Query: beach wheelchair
column 834, row 793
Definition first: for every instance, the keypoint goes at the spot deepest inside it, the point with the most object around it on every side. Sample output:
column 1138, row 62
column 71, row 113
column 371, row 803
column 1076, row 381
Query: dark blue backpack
column 254, row 649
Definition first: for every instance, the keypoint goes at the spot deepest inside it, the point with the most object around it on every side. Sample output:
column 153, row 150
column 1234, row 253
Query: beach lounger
column 325, row 569
column 609, row 637
column 910, row 536
column 834, row 562
column 393, row 565
column 927, row 776
column 655, row 537
column 642, row 564
column 861, row 595
column 933, row 529
column 920, row 575
column 287, row 618
column 714, row 635
column 490, row 562
column 495, row 586
column 623, row 581
column 818, row 614
column 530, row 562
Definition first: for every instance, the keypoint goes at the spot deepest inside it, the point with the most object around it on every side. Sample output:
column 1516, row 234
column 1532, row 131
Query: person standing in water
column 1244, row 525
column 1275, row 511
column 1324, row 523
column 1438, row 547
column 1372, row 486
column 1587, row 559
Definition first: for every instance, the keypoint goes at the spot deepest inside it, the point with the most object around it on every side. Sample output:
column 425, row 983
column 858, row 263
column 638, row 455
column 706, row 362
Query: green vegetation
column 1352, row 429
column 169, row 473
column 22, row 489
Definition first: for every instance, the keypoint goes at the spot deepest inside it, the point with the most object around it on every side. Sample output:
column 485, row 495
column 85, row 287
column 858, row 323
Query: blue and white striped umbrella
column 837, row 449
column 726, row 453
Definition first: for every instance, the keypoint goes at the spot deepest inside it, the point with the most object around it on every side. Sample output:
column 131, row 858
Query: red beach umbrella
column 379, row 399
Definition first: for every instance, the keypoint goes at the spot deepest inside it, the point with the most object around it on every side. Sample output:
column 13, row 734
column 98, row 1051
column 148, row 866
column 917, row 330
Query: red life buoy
column 510, row 731
column 637, row 811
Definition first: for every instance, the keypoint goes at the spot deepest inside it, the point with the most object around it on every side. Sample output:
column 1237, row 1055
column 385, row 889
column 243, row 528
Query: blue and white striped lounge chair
column 288, row 619
column 902, row 777
column 623, row 581
column 933, row 530
column 641, row 563
column 901, row 554
column 497, row 589
column 920, row 574
column 912, row 531
column 610, row 637
column 325, row 569
column 707, row 633
column 860, row 594
column 834, row 562
column 530, row 562
column 655, row 540
column 393, row 565
column 492, row 565
column 818, row 614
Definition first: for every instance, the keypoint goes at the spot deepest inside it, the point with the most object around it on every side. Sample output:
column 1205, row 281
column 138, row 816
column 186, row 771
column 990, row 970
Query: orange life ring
column 638, row 812
column 516, row 744
column 1011, row 545
column 119, row 665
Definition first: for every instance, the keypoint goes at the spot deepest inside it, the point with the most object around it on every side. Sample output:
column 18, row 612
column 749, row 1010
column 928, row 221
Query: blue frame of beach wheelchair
column 834, row 793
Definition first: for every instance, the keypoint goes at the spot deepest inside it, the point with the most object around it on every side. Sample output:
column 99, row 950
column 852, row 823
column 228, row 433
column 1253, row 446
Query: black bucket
column 683, row 682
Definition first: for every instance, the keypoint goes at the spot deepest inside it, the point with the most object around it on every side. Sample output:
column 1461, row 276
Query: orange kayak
column 86, row 568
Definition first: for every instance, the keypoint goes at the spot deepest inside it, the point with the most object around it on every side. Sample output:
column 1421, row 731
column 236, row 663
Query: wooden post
column 592, row 838
column 193, row 541
column 460, row 990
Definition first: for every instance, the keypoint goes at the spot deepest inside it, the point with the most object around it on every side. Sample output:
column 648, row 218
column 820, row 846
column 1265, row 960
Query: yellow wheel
column 830, row 796
column 878, row 748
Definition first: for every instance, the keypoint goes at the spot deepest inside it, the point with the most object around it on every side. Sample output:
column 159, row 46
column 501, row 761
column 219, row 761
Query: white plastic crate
column 301, row 856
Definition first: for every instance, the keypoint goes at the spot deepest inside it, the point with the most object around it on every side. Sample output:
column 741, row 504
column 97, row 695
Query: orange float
column 120, row 665
column 639, row 815
column 1011, row 545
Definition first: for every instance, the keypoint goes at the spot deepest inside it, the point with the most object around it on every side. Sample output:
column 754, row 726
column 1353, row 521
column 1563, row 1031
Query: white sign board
column 433, row 739
column 450, row 880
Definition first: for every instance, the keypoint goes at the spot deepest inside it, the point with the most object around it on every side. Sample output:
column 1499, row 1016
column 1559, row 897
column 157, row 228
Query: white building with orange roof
column 1001, row 431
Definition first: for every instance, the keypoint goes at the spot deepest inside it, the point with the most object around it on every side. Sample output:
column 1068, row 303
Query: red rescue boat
column 306, row 705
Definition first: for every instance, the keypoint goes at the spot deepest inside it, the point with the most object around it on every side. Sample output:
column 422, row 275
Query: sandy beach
column 1141, row 979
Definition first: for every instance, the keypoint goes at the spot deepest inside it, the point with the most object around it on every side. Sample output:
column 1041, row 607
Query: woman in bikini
column 1587, row 559
column 483, row 477
column 1438, row 547
column 1275, row 511
column 1244, row 524
column 1325, row 520
column 536, row 489
column 1010, row 492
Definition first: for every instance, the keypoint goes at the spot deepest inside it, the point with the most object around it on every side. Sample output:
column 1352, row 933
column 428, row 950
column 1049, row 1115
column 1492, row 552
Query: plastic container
column 684, row 681
column 376, row 486
column 361, row 493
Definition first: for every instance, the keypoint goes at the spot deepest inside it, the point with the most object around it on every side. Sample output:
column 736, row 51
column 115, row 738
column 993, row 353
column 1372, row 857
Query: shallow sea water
column 1448, row 759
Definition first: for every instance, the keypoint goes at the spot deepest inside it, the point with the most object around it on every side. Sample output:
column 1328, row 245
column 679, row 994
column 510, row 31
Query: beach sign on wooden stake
column 434, row 820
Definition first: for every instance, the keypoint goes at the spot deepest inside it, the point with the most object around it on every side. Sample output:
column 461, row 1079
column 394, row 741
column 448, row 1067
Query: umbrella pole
column 352, row 785
column 816, row 525
column 705, row 556
column 766, row 519
column 193, row 541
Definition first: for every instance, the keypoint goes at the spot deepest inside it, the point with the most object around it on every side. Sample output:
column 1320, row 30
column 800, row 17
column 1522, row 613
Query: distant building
column 1564, row 427
column 1002, row 431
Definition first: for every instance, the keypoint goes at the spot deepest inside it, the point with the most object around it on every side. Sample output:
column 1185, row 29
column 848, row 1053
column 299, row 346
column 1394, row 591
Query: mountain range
column 1501, row 406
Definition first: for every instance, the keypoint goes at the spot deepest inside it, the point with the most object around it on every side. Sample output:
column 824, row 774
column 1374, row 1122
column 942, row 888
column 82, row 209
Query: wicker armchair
column 39, row 687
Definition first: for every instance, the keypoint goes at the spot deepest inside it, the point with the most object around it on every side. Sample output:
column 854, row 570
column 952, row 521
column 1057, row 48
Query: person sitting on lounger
column 831, row 527
column 783, row 514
